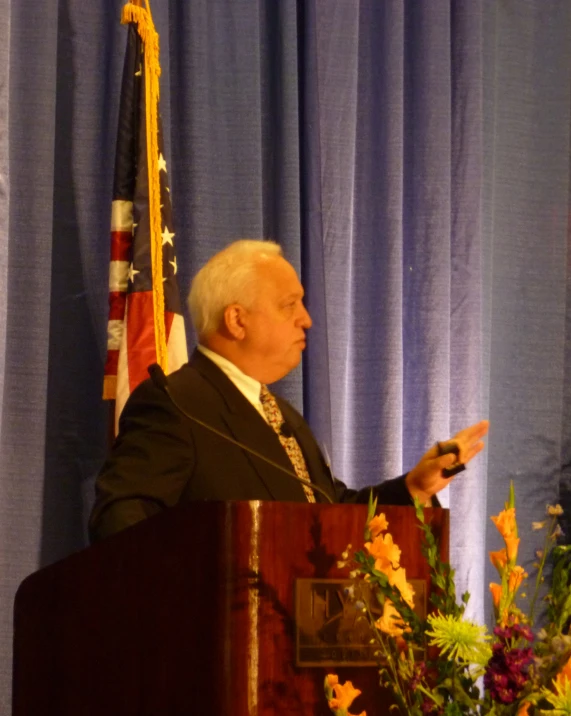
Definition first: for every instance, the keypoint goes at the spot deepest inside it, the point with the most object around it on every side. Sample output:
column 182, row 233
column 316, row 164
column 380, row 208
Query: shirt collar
column 248, row 386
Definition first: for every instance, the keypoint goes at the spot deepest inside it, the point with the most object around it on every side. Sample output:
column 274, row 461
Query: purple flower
column 419, row 674
column 503, row 633
column 506, row 673
column 524, row 632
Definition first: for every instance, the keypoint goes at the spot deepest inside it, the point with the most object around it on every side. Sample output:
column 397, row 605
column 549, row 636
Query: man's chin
column 281, row 371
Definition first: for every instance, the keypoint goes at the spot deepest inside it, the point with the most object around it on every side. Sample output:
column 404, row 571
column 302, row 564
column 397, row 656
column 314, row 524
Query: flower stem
column 538, row 578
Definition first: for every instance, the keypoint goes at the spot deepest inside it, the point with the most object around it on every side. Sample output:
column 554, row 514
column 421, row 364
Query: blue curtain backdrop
column 412, row 158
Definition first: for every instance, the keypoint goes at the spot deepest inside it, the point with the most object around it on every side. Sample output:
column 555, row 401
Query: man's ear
column 235, row 321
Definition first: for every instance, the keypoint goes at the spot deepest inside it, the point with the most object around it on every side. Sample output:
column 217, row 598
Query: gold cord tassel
column 150, row 38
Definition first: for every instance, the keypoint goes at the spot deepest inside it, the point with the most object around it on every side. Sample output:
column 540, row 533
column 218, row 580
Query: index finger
column 474, row 432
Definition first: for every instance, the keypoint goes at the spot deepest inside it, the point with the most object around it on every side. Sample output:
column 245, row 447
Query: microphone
column 286, row 430
column 160, row 381
column 159, row 378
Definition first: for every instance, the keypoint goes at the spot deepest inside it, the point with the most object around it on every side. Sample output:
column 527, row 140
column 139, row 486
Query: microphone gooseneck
column 158, row 377
column 160, row 380
column 286, row 431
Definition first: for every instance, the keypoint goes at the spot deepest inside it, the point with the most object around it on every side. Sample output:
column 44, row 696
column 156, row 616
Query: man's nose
column 305, row 319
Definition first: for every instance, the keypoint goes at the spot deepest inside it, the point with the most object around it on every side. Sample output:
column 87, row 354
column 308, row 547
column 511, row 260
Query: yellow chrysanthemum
column 459, row 639
column 560, row 698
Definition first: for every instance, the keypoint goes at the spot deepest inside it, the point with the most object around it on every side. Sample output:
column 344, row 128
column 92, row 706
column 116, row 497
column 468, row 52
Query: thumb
column 447, row 460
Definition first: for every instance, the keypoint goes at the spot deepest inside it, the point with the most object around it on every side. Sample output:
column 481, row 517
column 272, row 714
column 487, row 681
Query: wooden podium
column 194, row 612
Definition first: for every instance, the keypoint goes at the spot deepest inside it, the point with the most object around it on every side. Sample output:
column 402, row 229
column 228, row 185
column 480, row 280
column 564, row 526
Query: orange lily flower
column 515, row 578
column 397, row 578
column 496, row 590
column 564, row 674
column 512, row 544
column 331, row 680
column 384, row 550
column 345, row 694
column 499, row 559
column 390, row 623
column 377, row 525
column 505, row 522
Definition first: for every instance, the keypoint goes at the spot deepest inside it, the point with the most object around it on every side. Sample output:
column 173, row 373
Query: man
column 247, row 308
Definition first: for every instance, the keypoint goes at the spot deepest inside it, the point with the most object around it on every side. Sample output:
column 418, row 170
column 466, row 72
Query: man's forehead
column 278, row 269
column 278, row 281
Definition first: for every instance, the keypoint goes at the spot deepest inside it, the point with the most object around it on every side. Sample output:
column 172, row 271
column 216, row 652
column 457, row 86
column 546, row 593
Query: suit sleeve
column 149, row 465
column 390, row 492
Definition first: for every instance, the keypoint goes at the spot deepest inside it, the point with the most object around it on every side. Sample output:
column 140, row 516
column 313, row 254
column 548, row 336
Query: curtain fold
column 28, row 208
column 527, row 124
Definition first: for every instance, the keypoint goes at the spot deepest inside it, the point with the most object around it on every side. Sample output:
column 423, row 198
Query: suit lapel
column 246, row 425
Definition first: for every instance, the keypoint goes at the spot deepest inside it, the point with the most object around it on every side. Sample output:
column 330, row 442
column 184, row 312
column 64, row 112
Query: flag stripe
column 145, row 316
column 114, row 332
column 121, row 215
column 141, row 349
column 121, row 245
column 118, row 276
column 117, row 300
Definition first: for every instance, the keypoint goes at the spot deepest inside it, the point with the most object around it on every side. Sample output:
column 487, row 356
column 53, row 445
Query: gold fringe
column 146, row 29
column 109, row 387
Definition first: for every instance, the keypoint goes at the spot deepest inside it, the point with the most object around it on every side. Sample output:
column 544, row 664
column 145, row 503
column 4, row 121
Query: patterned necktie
column 290, row 444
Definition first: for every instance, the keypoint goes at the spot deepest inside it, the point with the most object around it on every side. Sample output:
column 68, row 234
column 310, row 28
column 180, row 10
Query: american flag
column 145, row 318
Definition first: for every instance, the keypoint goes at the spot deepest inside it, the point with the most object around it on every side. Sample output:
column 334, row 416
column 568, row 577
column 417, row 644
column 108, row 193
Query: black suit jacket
column 161, row 458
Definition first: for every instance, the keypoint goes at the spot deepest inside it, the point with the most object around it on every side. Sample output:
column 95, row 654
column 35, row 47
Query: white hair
column 228, row 277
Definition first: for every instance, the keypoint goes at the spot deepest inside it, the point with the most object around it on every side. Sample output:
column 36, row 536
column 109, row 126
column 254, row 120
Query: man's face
column 275, row 325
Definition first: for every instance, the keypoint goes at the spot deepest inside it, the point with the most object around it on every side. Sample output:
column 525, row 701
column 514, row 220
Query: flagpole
column 145, row 321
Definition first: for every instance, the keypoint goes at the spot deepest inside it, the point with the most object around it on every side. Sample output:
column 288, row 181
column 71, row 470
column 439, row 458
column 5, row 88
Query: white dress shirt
column 249, row 387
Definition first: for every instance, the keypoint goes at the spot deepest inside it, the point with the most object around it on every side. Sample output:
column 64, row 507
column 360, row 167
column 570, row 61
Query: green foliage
column 433, row 665
column 559, row 603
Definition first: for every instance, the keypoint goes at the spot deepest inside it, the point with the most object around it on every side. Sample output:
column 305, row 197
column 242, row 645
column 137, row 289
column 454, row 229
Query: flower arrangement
column 436, row 666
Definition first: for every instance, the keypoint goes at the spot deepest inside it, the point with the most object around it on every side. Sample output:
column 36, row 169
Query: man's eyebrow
column 293, row 294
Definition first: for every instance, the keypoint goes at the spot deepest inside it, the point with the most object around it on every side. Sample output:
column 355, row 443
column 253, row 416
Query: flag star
column 173, row 264
column 167, row 236
column 132, row 273
column 162, row 163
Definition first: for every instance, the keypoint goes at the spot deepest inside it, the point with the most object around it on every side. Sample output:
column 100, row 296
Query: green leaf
column 372, row 509
column 511, row 500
